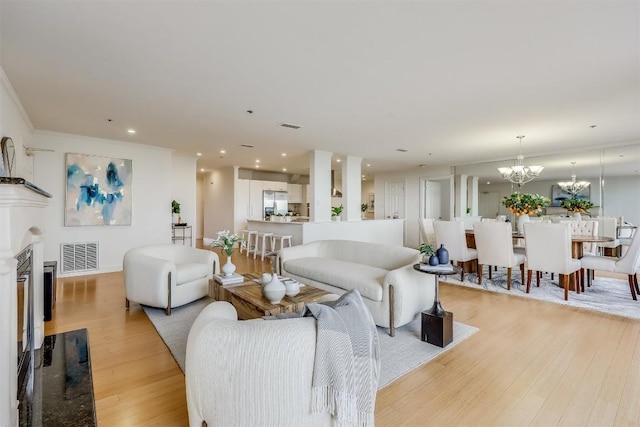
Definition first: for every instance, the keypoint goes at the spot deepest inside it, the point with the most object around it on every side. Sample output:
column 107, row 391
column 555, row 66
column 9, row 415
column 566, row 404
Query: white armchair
column 168, row 276
column 248, row 373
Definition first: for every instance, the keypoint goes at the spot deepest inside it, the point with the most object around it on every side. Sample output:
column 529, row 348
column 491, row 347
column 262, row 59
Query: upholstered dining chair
column 628, row 265
column 608, row 227
column 549, row 249
column 451, row 234
column 584, row 228
column 493, row 242
column 427, row 233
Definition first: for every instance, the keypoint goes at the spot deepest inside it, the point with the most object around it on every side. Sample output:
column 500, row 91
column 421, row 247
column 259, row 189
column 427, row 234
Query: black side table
column 437, row 324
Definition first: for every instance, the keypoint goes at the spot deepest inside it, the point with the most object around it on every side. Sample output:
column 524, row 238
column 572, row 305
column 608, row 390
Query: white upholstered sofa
column 383, row 274
column 252, row 372
column 168, row 276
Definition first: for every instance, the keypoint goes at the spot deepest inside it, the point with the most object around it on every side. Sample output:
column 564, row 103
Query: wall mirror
column 613, row 174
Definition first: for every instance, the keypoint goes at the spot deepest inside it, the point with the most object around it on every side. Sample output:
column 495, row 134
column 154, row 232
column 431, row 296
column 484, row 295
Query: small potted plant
column 336, row 212
column 427, row 252
column 287, row 217
column 363, row 208
column 175, row 210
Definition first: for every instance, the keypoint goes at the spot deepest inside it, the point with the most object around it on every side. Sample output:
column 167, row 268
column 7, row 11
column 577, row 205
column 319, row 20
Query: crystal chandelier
column 519, row 173
column 573, row 187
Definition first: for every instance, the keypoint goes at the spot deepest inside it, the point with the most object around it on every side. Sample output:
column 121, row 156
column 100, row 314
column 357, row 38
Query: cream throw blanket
column 347, row 362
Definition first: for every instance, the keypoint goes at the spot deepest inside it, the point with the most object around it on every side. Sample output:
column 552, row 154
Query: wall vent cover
column 79, row 256
column 290, row 125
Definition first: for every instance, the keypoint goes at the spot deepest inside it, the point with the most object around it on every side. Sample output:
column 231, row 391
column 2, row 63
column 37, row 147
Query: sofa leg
column 167, row 311
column 126, row 302
column 392, row 326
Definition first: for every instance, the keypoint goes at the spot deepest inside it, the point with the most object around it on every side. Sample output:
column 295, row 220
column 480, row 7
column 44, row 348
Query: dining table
column 577, row 243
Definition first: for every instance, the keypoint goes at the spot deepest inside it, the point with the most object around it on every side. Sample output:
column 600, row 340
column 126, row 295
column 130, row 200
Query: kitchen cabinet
column 294, row 193
column 255, row 199
column 274, row 185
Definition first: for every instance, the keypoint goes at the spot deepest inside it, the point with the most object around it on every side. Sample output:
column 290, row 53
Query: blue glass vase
column 443, row 255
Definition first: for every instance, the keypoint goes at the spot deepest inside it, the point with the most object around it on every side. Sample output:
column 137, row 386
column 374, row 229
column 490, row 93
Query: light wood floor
column 531, row 363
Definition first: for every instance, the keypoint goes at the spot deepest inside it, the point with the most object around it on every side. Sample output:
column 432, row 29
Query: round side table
column 437, row 324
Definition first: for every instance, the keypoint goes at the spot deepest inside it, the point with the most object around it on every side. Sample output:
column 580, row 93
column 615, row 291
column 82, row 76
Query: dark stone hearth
column 63, row 386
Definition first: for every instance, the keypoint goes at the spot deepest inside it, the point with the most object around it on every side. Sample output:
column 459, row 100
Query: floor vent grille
column 79, row 256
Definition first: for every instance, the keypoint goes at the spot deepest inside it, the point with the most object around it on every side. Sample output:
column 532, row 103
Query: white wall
column 412, row 178
column 622, row 197
column 219, row 201
column 183, row 190
column 15, row 123
column 152, row 190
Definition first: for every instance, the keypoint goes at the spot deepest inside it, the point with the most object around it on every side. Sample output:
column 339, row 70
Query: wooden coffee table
column 249, row 302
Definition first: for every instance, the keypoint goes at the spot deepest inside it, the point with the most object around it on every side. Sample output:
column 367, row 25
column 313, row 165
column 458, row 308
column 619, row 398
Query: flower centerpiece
column 226, row 242
column 525, row 204
column 576, row 205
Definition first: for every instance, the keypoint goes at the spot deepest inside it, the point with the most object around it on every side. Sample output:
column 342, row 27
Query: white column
column 352, row 188
column 473, row 195
column 461, row 195
column 320, row 186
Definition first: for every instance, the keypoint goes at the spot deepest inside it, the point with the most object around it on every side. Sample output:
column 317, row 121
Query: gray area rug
column 606, row 295
column 400, row 354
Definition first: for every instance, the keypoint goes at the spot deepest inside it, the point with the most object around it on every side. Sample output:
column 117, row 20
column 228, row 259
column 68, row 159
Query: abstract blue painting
column 98, row 191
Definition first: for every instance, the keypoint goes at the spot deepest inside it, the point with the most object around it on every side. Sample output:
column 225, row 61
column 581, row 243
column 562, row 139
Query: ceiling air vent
column 246, row 146
column 290, row 126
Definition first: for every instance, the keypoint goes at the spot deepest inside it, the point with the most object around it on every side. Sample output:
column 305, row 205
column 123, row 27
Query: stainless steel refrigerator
column 274, row 202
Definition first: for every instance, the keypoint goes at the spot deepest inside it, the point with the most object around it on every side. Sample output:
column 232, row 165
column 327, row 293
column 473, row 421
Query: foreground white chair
column 451, row 234
column 167, row 276
column 549, row 249
column 251, row 372
column 495, row 248
column 628, row 265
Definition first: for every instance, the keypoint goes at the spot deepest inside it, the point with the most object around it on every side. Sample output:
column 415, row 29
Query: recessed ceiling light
column 488, row 182
column 363, row 176
column 257, row 160
column 284, row 154
column 198, row 154
column 131, row 131
column 338, row 160
column 284, row 169
column 201, row 169
column 223, row 151
column 257, row 166
column 368, row 165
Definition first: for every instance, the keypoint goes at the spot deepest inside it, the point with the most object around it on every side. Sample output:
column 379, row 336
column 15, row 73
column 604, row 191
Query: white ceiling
column 452, row 82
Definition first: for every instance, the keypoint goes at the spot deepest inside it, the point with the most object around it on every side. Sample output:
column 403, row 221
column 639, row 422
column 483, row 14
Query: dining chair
column 452, row 235
column 549, row 249
column 584, row 228
column 427, row 233
column 628, row 264
column 495, row 248
column 608, row 227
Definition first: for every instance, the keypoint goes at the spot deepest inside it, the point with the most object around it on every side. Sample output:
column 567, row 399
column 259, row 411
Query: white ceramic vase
column 292, row 288
column 522, row 219
column 577, row 216
column 228, row 268
column 274, row 290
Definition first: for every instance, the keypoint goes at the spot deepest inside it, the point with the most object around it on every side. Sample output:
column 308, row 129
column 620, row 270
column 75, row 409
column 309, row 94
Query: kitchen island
column 384, row 231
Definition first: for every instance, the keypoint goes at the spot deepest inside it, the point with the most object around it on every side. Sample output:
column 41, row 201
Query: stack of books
column 228, row 280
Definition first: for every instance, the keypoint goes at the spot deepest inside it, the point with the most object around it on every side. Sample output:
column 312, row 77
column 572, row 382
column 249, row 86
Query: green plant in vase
column 336, row 211
column 175, row 210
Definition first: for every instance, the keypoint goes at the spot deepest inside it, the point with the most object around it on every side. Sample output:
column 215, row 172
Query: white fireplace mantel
column 21, row 219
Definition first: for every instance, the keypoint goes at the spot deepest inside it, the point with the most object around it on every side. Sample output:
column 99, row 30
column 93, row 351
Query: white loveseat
column 168, row 276
column 252, row 372
column 383, row 274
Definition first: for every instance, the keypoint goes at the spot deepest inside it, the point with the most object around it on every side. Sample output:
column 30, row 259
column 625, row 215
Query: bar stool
column 262, row 247
column 250, row 244
column 277, row 238
column 243, row 240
